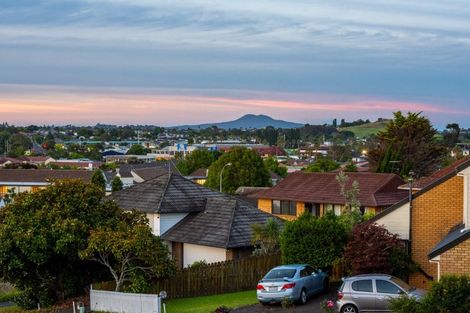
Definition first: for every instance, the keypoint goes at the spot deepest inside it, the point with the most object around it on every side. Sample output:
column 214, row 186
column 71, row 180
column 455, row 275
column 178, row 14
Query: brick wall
column 435, row 212
column 456, row 260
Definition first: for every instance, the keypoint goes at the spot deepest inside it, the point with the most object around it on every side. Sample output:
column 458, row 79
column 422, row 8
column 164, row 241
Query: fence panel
column 221, row 277
column 120, row 302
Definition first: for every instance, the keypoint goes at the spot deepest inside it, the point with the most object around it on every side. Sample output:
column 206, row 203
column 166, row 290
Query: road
column 312, row 306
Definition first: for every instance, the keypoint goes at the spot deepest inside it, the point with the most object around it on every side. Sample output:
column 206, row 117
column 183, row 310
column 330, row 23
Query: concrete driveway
column 312, row 306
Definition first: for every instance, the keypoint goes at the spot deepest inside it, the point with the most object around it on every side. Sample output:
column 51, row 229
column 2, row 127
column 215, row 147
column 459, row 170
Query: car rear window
column 362, row 285
column 281, row 273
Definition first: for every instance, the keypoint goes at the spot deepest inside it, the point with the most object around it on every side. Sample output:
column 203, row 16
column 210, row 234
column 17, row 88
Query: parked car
column 372, row 293
column 296, row 282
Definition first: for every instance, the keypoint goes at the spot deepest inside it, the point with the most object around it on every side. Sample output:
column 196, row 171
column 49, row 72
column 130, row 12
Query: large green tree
column 407, row 144
column 246, row 169
column 41, row 234
column 98, row 179
column 128, row 249
column 201, row 158
column 272, row 164
column 137, row 150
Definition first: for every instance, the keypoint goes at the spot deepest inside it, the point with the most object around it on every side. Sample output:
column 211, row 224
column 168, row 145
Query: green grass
column 8, row 296
column 10, row 309
column 365, row 130
column 210, row 303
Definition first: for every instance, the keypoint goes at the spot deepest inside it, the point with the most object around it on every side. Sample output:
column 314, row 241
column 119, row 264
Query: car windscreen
column 281, row 273
column 402, row 284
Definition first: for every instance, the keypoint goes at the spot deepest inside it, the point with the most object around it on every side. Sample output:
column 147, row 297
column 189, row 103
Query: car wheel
column 326, row 285
column 303, row 297
column 349, row 308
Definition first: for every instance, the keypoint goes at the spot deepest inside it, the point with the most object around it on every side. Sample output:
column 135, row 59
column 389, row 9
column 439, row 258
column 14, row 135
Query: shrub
column 450, row 295
column 312, row 240
column 373, row 249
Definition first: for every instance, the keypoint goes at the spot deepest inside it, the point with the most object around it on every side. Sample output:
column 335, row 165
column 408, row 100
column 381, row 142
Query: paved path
column 312, row 306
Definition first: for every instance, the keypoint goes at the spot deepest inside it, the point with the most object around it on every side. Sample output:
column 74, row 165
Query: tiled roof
column 456, row 235
column 375, row 189
column 225, row 223
column 201, row 172
column 150, row 172
column 436, row 176
column 42, row 176
column 168, row 193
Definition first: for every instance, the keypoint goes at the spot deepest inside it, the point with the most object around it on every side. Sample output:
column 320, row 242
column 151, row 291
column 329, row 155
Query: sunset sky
column 169, row 62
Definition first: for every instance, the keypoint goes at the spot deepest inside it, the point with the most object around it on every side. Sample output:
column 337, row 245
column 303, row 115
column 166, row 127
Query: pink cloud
column 63, row 105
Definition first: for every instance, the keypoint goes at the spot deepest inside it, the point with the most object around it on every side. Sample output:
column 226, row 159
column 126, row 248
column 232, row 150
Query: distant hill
column 245, row 122
column 368, row 129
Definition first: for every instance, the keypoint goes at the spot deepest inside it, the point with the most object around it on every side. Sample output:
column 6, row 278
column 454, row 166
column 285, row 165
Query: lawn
column 365, row 130
column 210, row 303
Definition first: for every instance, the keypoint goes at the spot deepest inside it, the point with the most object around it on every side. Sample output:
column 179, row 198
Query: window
column 362, row 285
column 284, row 207
column 276, row 207
column 281, row 273
column 387, row 287
column 312, row 208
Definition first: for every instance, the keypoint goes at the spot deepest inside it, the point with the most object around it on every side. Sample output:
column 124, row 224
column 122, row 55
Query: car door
column 363, row 294
column 386, row 290
column 317, row 281
column 306, row 280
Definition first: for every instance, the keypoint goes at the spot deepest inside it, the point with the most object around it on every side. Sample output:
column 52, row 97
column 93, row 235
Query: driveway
column 312, row 306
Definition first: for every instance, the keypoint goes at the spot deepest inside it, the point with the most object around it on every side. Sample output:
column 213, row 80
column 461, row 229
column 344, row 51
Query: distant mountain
column 246, row 121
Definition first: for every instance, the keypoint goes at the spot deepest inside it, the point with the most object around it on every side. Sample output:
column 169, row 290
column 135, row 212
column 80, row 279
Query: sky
column 170, row 62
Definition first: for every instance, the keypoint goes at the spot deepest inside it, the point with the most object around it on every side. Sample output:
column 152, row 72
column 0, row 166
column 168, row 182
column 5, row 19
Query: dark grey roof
column 168, row 193
column 150, row 172
column 457, row 235
column 125, row 170
column 225, row 223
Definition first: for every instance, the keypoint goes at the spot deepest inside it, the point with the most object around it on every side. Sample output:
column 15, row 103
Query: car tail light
column 259, row 287
column 288, row 286
column 340, row 295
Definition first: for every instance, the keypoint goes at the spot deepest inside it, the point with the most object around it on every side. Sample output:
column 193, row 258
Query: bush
column 450, row 295
column 312, row 240
column 373, row 249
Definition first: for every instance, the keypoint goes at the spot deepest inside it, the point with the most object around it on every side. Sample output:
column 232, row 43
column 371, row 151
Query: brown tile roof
column 436, row 176
column 42, row 176
column 201, row 172
column 376, row 189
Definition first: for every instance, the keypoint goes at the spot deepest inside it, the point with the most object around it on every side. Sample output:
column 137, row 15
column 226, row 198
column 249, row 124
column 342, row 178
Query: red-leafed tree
column 373, row 249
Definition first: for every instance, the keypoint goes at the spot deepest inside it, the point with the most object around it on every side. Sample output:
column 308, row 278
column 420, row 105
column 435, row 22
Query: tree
column 129, row 250
column 98, row 179
column 116, row 184
column 313, row 240
column 265, row 237
column 407, row 144
column 322, row 165
column 272, row 165
column 200, row 158
column 373, row 249
column 41, row 234
column 246, row 169
column 137, row 150
column 451, row 135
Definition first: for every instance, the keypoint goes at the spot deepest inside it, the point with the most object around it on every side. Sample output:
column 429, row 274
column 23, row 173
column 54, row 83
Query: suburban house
column 436, row 223
column 197, row 223
column 21, row 180
column 318, row 193
column 199, row 176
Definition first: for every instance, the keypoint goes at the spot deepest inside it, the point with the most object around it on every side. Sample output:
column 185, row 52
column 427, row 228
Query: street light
column 221, row 171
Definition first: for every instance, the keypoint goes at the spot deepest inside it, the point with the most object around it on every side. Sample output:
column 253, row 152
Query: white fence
column 120, row 302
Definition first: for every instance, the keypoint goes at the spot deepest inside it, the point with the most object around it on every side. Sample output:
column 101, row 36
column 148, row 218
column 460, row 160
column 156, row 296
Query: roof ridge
column 164, row 192
column 231, row 223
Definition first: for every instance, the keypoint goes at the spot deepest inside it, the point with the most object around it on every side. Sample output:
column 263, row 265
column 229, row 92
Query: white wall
column 168, row 220
column 154, row 222
column 466, row 196
column 193, row 253
column 398, row 221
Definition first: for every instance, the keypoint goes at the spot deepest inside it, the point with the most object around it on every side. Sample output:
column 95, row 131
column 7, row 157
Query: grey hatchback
column 296, row 282
column 372, row 292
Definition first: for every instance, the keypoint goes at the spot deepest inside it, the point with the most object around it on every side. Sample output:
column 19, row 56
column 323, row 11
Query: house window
column 312, row 208
column 284, row 207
